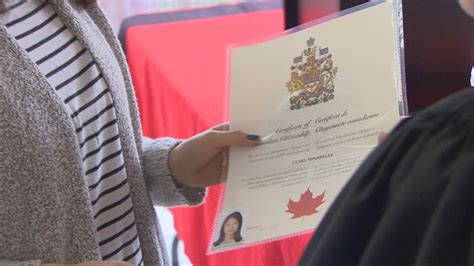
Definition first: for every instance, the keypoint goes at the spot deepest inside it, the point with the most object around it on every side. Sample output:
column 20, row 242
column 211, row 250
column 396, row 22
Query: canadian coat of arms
column 312, row 77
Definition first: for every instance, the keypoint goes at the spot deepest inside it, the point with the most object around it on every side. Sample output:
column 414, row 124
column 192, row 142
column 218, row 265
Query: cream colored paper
column 349, row 78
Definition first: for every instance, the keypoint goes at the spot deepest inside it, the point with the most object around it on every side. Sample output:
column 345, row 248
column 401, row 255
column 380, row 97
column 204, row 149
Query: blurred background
column 117, row 10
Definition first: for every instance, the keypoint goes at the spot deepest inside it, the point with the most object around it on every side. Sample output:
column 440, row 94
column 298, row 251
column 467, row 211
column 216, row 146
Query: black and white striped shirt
column 77, row 80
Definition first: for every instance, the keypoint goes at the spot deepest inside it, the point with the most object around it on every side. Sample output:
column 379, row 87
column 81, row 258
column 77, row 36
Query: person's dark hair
column 237, row 235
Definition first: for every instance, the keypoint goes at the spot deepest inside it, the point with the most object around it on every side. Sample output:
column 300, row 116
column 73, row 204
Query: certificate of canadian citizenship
column 318, row 97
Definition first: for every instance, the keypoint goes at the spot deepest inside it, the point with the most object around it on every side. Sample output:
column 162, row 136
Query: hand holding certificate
column 319, row 98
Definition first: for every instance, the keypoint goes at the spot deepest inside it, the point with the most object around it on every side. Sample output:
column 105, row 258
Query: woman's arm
column 177, row 172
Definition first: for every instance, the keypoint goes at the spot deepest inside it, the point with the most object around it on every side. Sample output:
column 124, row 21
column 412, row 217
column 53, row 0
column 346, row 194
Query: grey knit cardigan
column 45, row 211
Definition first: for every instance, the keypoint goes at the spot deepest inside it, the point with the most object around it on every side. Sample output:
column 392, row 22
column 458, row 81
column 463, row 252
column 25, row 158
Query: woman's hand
column 383, row 135
column 200, row 161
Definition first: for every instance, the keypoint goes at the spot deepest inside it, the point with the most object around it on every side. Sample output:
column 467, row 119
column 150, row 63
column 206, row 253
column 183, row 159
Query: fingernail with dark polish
column 253, row 137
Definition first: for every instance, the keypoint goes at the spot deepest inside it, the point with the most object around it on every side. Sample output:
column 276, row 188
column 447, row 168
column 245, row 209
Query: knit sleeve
column 160, row 183
column 20, row 263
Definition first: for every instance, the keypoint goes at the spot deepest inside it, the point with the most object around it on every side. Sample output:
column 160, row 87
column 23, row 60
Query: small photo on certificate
column 231, row 230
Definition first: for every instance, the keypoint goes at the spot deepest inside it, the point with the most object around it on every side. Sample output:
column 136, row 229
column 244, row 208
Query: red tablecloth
column 179, row 72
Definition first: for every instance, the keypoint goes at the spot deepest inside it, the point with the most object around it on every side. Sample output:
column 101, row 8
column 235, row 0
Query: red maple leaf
column 306, row 205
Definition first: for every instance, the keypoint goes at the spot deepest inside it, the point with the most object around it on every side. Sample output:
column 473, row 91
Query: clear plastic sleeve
column 312, row 138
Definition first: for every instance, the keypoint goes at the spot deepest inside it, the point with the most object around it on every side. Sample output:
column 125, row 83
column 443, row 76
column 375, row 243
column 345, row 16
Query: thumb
column 382, row 136
column 221, row 127
column 235, row 137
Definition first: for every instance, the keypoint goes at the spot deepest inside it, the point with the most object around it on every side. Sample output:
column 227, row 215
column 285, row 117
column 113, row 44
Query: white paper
column 319, row 98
